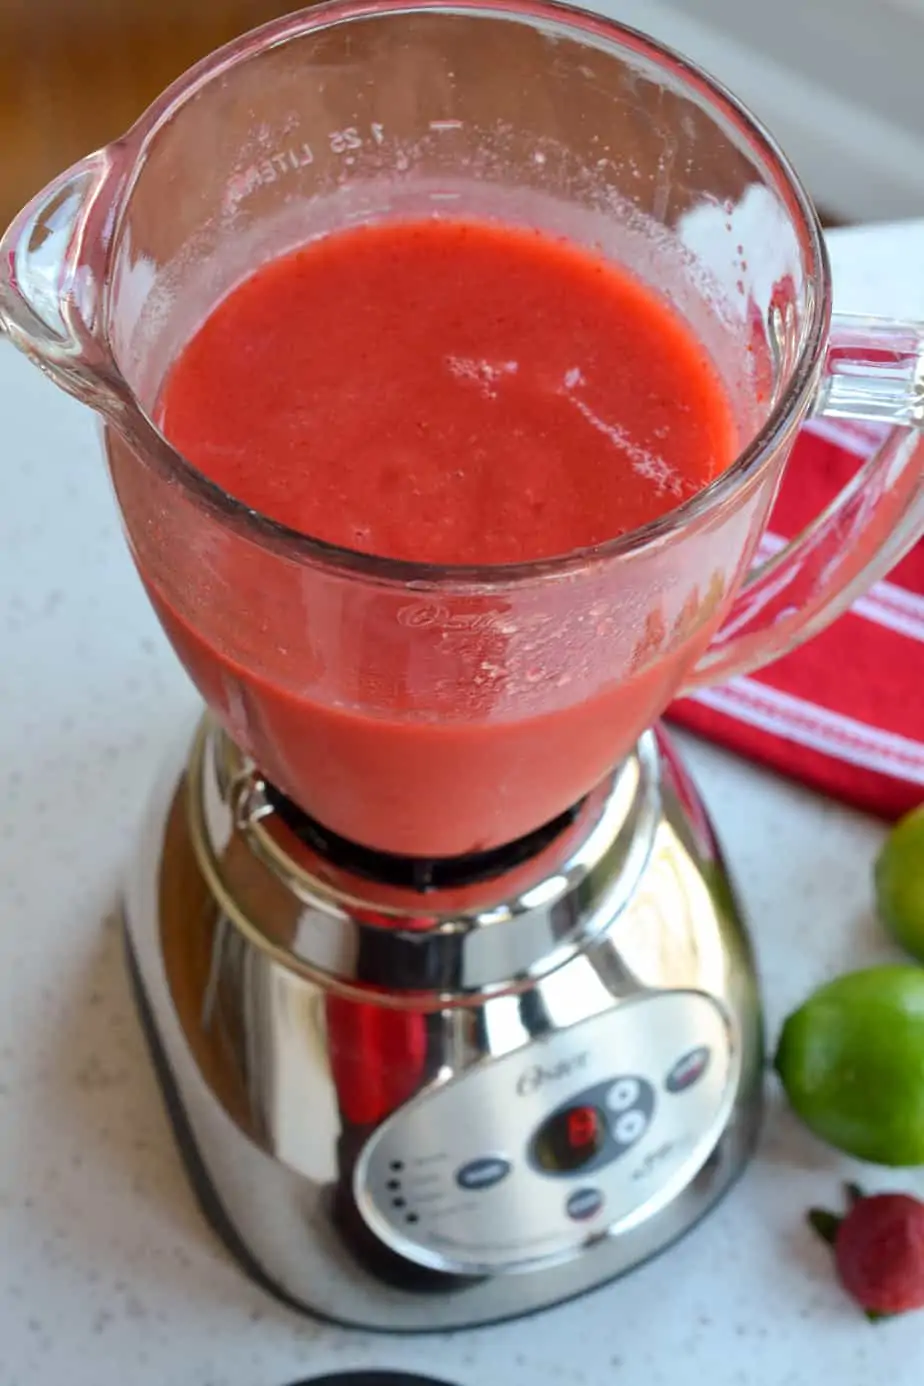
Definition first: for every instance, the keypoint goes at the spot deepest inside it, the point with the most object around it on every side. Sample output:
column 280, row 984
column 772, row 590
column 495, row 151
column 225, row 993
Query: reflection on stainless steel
column 375, row 1105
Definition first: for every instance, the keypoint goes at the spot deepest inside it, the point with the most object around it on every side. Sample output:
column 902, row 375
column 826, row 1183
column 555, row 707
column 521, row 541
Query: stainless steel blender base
column 611, row 978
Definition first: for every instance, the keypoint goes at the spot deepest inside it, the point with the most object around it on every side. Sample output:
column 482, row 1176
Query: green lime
column 899, row 881
column 852, row 1062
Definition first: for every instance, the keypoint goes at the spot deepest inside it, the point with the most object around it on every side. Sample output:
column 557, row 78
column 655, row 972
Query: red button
column 583, row 1127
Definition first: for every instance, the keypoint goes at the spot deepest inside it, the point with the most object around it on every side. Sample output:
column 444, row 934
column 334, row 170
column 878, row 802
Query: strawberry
column 878, row 1249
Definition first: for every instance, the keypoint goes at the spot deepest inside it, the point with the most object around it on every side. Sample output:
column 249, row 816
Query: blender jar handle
column 52, row 263
column 874, row 371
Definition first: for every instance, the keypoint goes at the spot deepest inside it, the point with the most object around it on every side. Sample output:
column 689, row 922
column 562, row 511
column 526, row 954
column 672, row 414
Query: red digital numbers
column 582, row 1127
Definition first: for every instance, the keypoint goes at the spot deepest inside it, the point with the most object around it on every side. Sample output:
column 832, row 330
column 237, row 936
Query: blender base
column 288, row 1182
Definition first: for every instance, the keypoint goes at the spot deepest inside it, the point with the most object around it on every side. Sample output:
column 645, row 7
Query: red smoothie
column 453, row 393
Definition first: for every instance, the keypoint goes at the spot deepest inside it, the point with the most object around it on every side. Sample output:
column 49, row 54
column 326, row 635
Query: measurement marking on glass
column 275, row 166
column 293, row 158
column 439, row 125
column 342, row 140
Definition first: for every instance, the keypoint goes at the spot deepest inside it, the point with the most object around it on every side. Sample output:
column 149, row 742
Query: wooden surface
column 76, row 73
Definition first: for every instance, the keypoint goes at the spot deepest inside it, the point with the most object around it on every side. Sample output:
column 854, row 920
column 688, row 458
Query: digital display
column 570, row 1139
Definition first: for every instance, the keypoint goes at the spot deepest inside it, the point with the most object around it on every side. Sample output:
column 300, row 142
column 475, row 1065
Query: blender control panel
column 527, row 1157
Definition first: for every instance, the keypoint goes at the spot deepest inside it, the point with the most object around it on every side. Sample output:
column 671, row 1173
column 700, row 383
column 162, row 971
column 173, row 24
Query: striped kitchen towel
column 845, row 712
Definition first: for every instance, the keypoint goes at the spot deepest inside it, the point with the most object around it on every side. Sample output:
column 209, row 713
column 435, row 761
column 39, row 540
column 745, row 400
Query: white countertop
column 107, row 1274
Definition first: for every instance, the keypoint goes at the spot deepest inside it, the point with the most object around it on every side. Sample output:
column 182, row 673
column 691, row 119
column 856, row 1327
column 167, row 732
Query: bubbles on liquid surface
column 645, row 463
column 482, row 374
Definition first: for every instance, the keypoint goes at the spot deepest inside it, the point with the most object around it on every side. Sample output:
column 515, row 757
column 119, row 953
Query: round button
column 584, row 1204
column 483, row 1173
column 623, row 1094
column 688, row 1069
column 629, row 1127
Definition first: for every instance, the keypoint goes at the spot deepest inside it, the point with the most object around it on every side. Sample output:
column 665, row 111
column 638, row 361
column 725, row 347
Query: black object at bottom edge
column 217, row 1218
column 371, row 1377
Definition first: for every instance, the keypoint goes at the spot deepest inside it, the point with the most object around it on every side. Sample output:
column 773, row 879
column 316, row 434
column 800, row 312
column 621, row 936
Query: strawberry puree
column 449, row 392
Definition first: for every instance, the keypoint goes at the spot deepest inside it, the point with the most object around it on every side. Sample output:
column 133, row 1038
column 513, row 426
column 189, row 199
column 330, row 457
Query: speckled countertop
column 107, row 1274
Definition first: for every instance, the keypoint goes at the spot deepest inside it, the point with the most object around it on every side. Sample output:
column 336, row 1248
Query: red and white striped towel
column 845, row 712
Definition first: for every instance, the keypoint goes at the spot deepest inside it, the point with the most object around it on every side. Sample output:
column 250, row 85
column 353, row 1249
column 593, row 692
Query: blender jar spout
column 52, row 266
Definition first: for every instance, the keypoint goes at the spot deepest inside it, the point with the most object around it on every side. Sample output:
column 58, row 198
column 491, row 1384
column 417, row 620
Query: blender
column 456, row 1019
